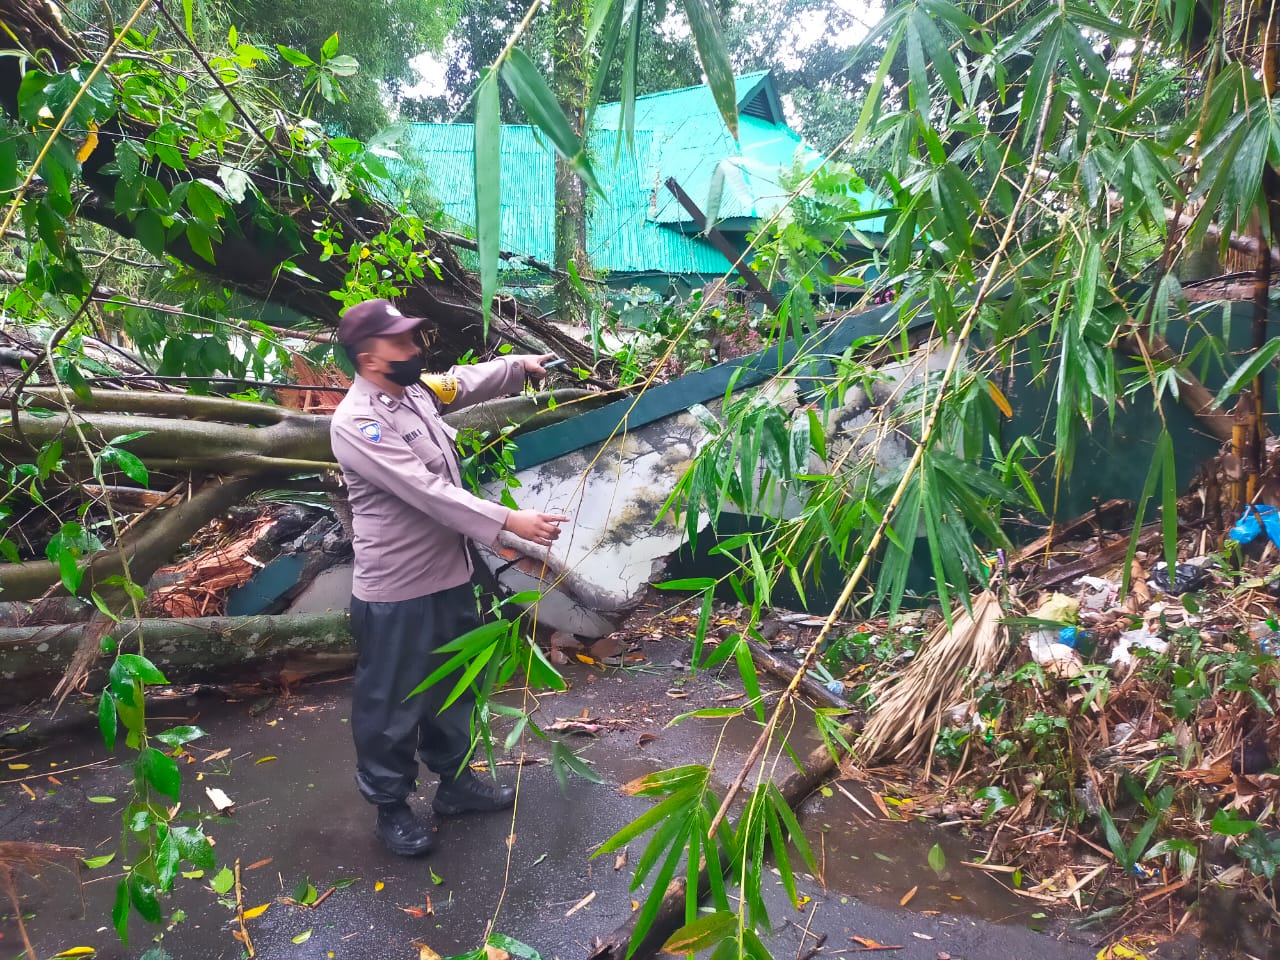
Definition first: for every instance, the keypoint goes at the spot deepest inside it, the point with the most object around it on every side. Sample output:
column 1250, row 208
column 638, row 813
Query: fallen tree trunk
column 817, row 766
column 188, row 649
column 784, row 670
column 147, row 548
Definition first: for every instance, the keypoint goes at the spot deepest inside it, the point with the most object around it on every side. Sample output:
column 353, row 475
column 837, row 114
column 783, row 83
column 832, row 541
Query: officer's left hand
column 533, row 365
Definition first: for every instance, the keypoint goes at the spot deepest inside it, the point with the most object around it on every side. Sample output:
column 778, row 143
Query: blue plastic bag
column 1254, row 521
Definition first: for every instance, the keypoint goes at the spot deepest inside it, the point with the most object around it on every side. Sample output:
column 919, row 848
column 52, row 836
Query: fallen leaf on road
column 265, row 759
column 19, row 766
column 921, row 936
column 583, row 658
column 581, row 903
column 377, row 887
column 256, row 911
column 425, row 952
column 31, row 793
column 730, row 696
column 575, row 726
column 218, row 756
column 645, row 738
column 75, row 952
column 303, row 937
column 259, row 863
column 495, row 953
column 415, row 912
column 620, row 860
column 219, row 799
column 907, row 897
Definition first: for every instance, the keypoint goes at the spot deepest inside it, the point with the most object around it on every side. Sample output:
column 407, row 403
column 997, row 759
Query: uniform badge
column 372, row 431
column 385, row 400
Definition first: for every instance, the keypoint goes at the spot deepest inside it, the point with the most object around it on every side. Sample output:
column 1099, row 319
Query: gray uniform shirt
column 411, row 514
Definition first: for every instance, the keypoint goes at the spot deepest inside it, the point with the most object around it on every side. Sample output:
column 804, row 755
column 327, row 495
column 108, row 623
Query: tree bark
column 147, row 548
column 570, row 77
column 187, row 650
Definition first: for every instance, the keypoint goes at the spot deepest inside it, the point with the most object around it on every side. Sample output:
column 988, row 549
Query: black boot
column 466, row 794
column 401, row 832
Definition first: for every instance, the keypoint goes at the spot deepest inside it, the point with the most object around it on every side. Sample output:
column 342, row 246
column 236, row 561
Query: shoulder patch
column 372, row 431
column 443, row 385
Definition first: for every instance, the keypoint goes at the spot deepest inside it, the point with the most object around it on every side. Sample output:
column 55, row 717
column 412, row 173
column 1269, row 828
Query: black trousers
column 396, row 645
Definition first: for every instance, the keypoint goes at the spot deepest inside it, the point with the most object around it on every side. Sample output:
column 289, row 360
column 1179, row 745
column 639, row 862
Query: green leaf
column 194, row 846
column 200, row 240
column 343, row 66
column 706, row 713
column 488, row 183
column 303, row 937
column 177, row 736
column 513, row 947
column 543, row 110
column 150, row 232
column 330, row 47
column 223, row 881
column 142, row 894
column 120, row 912
column 1226, row 824
column 937, row 858
column 93, row 863
column 139, row 668
column 714, row 59
column 127, row 463
column 296, row 57
column 1248, row 371
column 188, row 18
column 692, row 583
column 161, row 771
column 562, row 755
column 108, row 722
column 703, row 933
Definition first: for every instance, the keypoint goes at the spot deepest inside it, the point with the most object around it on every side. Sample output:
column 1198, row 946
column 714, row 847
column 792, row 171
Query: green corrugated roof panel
column 636, row 226
column 621, row 237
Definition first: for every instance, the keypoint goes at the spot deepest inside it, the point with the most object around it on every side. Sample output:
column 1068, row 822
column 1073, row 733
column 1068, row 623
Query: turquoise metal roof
column 636, row 226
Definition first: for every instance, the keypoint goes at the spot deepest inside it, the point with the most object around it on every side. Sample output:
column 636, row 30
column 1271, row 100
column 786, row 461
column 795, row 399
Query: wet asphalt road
column 287, row 765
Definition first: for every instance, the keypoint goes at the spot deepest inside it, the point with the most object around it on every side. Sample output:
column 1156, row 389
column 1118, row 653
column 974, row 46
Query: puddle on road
column 881, row 862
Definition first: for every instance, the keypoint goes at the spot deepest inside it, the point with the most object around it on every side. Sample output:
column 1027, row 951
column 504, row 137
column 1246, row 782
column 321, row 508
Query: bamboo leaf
column 537, row 100
column 705, row 932
column 1248, row 370
column 714, row 59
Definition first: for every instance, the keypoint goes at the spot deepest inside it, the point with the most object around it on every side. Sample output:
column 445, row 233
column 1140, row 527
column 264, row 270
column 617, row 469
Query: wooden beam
column 720, row 243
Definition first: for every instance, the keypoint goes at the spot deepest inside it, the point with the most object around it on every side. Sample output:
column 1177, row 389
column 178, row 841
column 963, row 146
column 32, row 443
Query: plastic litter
column 1099, row 594
column 1079, row 640
column 1136, row 639
column 1057, row 658
column 1186, row 577
column 1254, row 521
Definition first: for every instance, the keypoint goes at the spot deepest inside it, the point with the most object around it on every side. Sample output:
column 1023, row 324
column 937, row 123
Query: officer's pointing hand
column 533, row 365
column 535, row 526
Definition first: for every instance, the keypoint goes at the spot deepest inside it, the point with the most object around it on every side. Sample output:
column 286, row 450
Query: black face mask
column 405, row 373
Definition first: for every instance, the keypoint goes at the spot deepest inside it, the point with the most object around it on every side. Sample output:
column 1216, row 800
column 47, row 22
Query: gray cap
column 373, row 318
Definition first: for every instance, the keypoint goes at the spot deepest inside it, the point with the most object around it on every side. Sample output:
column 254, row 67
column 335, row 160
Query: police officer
column 412, row 588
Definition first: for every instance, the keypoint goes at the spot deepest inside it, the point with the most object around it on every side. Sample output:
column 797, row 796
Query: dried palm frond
column 909, row 706
column 17, row 855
